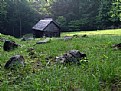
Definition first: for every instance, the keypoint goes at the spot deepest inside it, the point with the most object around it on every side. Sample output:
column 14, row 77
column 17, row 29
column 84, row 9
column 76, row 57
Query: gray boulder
column 47, row 40
column 72, row 56
column 27, row 39
column 9, row 45
column 68, row 38
column 14, row 62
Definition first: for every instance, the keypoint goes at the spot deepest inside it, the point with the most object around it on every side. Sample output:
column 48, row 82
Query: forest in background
column 17, row 17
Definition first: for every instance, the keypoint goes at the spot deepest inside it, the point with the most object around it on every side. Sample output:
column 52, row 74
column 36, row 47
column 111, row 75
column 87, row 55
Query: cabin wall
column 52, row 30
column 38, row 33
column 51, row 34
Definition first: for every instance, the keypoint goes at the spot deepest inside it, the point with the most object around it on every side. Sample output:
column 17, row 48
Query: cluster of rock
column 66, row 38
column 16, row 60
column 72, row 56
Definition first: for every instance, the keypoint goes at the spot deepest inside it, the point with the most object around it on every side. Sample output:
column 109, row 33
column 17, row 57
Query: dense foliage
column 18, row 16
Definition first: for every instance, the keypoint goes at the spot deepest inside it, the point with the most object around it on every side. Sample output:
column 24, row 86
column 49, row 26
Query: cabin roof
column 42, row 24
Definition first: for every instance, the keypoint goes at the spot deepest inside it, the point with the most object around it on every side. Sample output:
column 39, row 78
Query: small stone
column 27, row 38
column 60, row 59
column 117, row 46
column 23, row 39
column 47, row 40
column 75, row 36
column 84, row 35
column 30, row 49
column 67, row 38
column 2, row 39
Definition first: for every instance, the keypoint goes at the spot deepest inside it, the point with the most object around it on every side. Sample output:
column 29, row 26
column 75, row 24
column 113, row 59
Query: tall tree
column 115, row 12
column 105, row 6
column 20, row 17
column 78, row 14
column 3, row 13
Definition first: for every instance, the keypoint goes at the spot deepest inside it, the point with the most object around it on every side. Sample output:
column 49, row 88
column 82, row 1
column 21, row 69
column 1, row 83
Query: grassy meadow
column 102, row 72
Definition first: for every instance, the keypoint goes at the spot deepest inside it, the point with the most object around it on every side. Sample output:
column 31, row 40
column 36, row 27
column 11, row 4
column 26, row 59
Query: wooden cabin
column 47, row 28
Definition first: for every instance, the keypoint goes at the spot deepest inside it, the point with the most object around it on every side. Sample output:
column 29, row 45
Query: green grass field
column 101, row 73
column 98, row 32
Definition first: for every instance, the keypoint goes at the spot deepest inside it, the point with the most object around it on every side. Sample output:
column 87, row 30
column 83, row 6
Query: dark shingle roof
column 42, row 24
